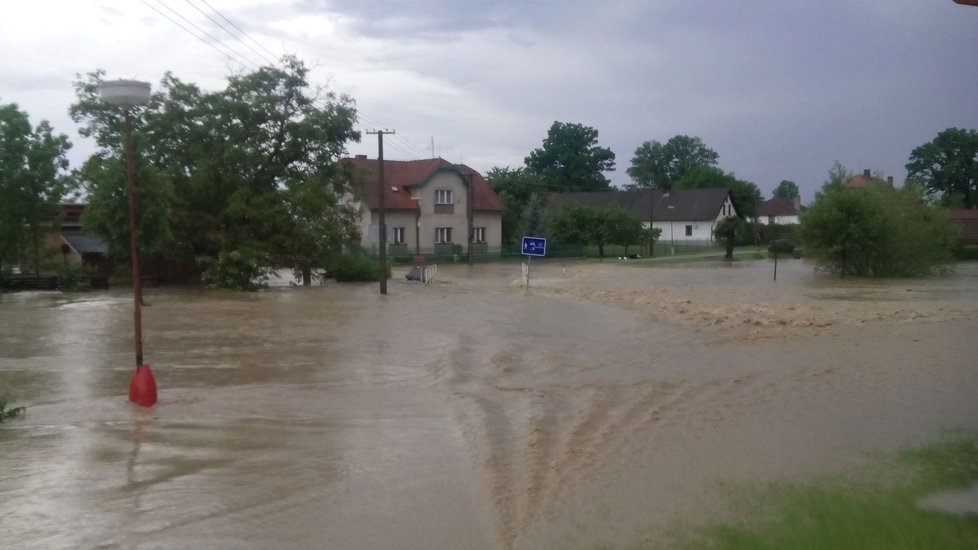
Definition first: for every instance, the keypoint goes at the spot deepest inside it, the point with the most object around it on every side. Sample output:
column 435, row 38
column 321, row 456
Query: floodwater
column 608, row 405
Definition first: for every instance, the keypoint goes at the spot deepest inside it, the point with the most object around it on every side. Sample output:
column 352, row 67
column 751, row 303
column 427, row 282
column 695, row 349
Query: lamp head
column 124, row 93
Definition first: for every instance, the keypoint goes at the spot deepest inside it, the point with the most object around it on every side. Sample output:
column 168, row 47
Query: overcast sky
column 780, row 89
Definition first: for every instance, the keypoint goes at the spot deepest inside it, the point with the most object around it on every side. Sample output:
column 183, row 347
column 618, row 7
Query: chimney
column 866, row 173
column 889, row 181
column 796, row 202
column 361, row 157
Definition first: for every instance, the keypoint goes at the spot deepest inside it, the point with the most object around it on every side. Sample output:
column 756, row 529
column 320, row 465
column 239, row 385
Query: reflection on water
column 470, row 413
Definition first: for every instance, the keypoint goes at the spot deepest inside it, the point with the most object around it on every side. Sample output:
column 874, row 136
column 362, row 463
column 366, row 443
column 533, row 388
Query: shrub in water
column 74, row 278
column 356, row 268
column 242, row 269
column 6, row 413
column 781, row 247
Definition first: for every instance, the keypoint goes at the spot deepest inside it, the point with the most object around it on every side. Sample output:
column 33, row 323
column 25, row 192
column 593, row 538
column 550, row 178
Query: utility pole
column 382, row 221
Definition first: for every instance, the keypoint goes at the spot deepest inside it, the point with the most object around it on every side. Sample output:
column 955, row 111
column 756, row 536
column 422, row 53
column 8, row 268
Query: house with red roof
column 867, row 179
column 430, row 206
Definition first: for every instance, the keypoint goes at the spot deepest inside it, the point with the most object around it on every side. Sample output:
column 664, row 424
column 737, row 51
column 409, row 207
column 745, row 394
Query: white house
column 779, row 211
column 685, row 216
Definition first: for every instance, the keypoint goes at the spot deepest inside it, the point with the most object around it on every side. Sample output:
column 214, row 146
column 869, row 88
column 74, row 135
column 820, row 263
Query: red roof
column 401, row 175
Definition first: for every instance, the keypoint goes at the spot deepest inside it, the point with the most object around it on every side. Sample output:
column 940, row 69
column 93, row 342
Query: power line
column 403, row 146
column 225, row 29
column 406, row 146
column 243, row 33
column 228, row 53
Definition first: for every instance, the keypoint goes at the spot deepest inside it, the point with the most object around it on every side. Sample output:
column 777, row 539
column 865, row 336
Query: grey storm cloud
column 781, row 90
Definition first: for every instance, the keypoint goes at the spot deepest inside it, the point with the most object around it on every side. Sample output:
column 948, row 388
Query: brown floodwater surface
column 609, row 404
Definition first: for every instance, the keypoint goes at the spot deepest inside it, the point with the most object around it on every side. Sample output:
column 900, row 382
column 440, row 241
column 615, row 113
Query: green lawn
column 878, row 511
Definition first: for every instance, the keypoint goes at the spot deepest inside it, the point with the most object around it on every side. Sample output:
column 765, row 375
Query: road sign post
column 532, row 246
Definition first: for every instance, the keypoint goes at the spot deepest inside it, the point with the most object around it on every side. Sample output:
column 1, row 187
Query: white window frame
column 479, row 235
column 444, row 196
column 443, row 235
column 397, row 235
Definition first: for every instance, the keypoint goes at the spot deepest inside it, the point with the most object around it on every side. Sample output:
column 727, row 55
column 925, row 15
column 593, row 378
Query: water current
column 609, row 404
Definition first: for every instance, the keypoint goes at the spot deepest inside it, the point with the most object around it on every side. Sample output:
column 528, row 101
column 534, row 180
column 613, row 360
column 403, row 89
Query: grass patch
column 880, row 513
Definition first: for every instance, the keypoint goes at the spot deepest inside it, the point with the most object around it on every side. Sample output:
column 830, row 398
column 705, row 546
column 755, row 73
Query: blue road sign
column 534, row 246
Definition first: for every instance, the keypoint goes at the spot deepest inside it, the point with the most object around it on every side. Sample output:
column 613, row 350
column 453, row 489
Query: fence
column 457, row 253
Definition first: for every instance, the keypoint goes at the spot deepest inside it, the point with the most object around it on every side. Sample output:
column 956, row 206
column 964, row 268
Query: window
column 443, row 196
column 689, row 230
column 397, row 235
column 478, row 234
column 443, row 235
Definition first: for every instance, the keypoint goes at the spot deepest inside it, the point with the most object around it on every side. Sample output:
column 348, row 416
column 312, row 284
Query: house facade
column 685, row 216
column 431, row 206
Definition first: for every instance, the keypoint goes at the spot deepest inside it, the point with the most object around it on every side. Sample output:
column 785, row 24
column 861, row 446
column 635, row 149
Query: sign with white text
column 534, row 246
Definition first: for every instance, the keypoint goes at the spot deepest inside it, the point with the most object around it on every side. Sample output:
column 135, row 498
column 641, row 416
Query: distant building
column 76, row 246
column 779, row 211
column 866, row 179
column 967, row 223
column 685, row 216
column 430, row 206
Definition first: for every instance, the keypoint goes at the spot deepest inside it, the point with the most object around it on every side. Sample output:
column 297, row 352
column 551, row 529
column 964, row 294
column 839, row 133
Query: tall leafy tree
column 571, row 159
column 787, row 189
column 33, row 181
column 948, row 167
column 516, row 187
column 838, row 175
column 252, row 168
column 660, row 165
column 745, row 195
column 876, row 231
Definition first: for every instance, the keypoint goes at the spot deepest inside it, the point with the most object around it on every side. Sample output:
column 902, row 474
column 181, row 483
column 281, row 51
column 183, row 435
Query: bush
column 876, row 232
column 243, row 269
column 74, row 278
column 966, row 253
column 769, row 233
column 350, row 268
column 781, row 247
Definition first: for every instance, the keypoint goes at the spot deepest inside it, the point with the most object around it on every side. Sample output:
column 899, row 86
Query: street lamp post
column 128, row 94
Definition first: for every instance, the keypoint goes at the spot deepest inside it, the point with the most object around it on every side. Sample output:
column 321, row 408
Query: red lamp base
column 142, row 387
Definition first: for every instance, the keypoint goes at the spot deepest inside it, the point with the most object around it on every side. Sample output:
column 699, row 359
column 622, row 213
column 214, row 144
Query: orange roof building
column 430, row 205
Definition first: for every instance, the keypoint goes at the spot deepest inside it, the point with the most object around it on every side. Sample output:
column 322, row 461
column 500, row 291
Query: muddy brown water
column 607, row 405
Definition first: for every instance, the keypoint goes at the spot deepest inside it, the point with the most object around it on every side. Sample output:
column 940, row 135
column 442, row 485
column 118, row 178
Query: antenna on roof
column 432, row 146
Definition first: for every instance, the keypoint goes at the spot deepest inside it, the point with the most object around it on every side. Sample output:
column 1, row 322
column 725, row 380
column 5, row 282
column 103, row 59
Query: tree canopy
column 571, row 159
column 948, row 167
column 729, row 231
column 523, row 193
column 876, row 232
column 243, row 179
column 787, row 189
column 745, row 195
column 660, row 165
column 33, row 182
column 594, row 225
